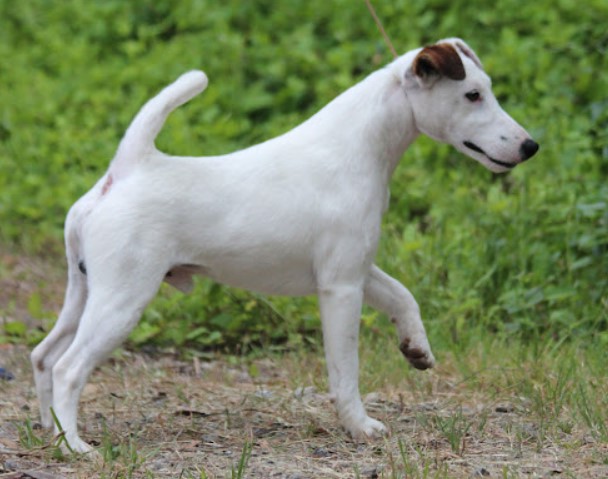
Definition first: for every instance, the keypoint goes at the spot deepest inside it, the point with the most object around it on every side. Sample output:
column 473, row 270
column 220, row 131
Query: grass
column 454, row 428
column 238, row 472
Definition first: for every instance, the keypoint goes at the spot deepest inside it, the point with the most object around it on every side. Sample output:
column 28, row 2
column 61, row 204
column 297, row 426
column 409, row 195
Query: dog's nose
column 528, row 149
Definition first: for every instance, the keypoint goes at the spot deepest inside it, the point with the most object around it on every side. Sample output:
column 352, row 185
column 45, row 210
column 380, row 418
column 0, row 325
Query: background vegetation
column 522, row 257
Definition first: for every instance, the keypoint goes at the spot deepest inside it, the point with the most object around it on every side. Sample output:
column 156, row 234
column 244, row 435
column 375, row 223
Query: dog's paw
column 78, row 446
column 419, row 356
column 368, row 429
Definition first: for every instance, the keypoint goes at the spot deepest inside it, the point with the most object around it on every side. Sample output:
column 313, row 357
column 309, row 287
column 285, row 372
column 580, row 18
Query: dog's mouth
column 475, row 148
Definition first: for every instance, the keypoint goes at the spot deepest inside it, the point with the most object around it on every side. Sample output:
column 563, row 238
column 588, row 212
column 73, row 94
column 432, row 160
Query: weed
column 239, row 472
column 200, row 474
column 415, row 464
column 60, row 439
column 482, row 421
column 28, row 437
column 593, row 412
column 454, row 428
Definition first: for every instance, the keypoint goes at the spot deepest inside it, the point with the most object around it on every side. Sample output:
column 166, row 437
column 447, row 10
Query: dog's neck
column 371, row 123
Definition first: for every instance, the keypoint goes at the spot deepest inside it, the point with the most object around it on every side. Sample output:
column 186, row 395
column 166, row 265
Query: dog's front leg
column 388, row 295
column 341, row 313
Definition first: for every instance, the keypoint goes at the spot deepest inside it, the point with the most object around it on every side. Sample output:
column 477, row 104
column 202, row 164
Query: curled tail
column 139, row 138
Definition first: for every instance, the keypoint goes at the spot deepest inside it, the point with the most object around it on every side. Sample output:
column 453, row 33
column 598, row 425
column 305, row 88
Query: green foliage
column 525, row 254
column 16, row 330
column 213, row 316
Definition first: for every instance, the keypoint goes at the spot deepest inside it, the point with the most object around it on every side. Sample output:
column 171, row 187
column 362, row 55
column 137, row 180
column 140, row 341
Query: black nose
column 528, row 149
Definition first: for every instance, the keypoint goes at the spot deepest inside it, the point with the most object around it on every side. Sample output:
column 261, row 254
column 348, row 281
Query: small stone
column 11, row 465
column 321, row 452
column 481, row 472
column 304, row 393
column 264, row 393
column 505, row 408
column 371, row 473
column 372, row 398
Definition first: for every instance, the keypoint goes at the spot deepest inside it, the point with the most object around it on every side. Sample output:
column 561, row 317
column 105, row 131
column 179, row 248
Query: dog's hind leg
column 48, row 352
column 110, row 314
column 389, row 296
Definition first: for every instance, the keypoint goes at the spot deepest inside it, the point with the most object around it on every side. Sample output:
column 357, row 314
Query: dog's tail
column 138, row 141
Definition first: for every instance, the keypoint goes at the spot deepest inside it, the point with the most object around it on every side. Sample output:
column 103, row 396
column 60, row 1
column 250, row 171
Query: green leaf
column 15, row 328
column 34, row 306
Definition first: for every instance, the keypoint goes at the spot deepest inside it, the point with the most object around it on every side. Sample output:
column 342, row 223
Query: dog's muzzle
column 527, row 150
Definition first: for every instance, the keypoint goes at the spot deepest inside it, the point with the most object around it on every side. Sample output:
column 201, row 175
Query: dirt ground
column 161, row 417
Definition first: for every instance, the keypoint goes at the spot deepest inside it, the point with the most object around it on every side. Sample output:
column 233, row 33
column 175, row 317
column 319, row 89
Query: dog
column 296, row 215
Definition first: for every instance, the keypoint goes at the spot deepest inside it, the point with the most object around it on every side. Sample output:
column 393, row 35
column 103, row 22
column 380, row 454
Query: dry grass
column 161, row 417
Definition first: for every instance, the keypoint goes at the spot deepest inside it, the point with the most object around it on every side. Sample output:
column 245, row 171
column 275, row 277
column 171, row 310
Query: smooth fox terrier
column 296, row 215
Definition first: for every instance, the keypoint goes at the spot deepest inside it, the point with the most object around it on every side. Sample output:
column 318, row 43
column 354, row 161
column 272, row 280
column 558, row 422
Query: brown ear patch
column 441, row 59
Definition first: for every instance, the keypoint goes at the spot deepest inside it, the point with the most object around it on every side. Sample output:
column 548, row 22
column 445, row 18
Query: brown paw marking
column 415, row 356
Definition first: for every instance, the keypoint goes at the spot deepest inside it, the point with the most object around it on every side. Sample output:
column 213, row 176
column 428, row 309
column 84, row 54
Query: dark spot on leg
column 415, row 353
column 107, row 185
column 82, row 267
column 393, row 320
column 40, row 366
column 415, row 356
column 503, row 138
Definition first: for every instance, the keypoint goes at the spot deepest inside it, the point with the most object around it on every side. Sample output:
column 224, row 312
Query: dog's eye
column 473, row 95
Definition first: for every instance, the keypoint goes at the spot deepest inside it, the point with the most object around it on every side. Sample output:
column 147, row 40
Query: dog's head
column 452, row 101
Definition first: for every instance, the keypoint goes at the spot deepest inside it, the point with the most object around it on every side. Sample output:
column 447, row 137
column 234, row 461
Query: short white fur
column 299, row 214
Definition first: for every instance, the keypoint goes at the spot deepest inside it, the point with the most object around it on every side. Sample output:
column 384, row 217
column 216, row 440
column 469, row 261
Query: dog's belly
column 264, row 265
column 292, row 277
column 288, row 281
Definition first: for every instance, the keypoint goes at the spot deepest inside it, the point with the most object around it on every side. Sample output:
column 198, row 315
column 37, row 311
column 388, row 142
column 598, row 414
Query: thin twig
column 381, row 28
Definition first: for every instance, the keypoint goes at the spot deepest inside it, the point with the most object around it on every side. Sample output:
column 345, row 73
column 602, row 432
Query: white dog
column 297, row 215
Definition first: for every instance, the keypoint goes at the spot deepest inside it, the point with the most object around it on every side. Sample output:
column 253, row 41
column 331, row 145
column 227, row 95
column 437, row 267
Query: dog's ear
column 437, row 61
column 467, row 51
